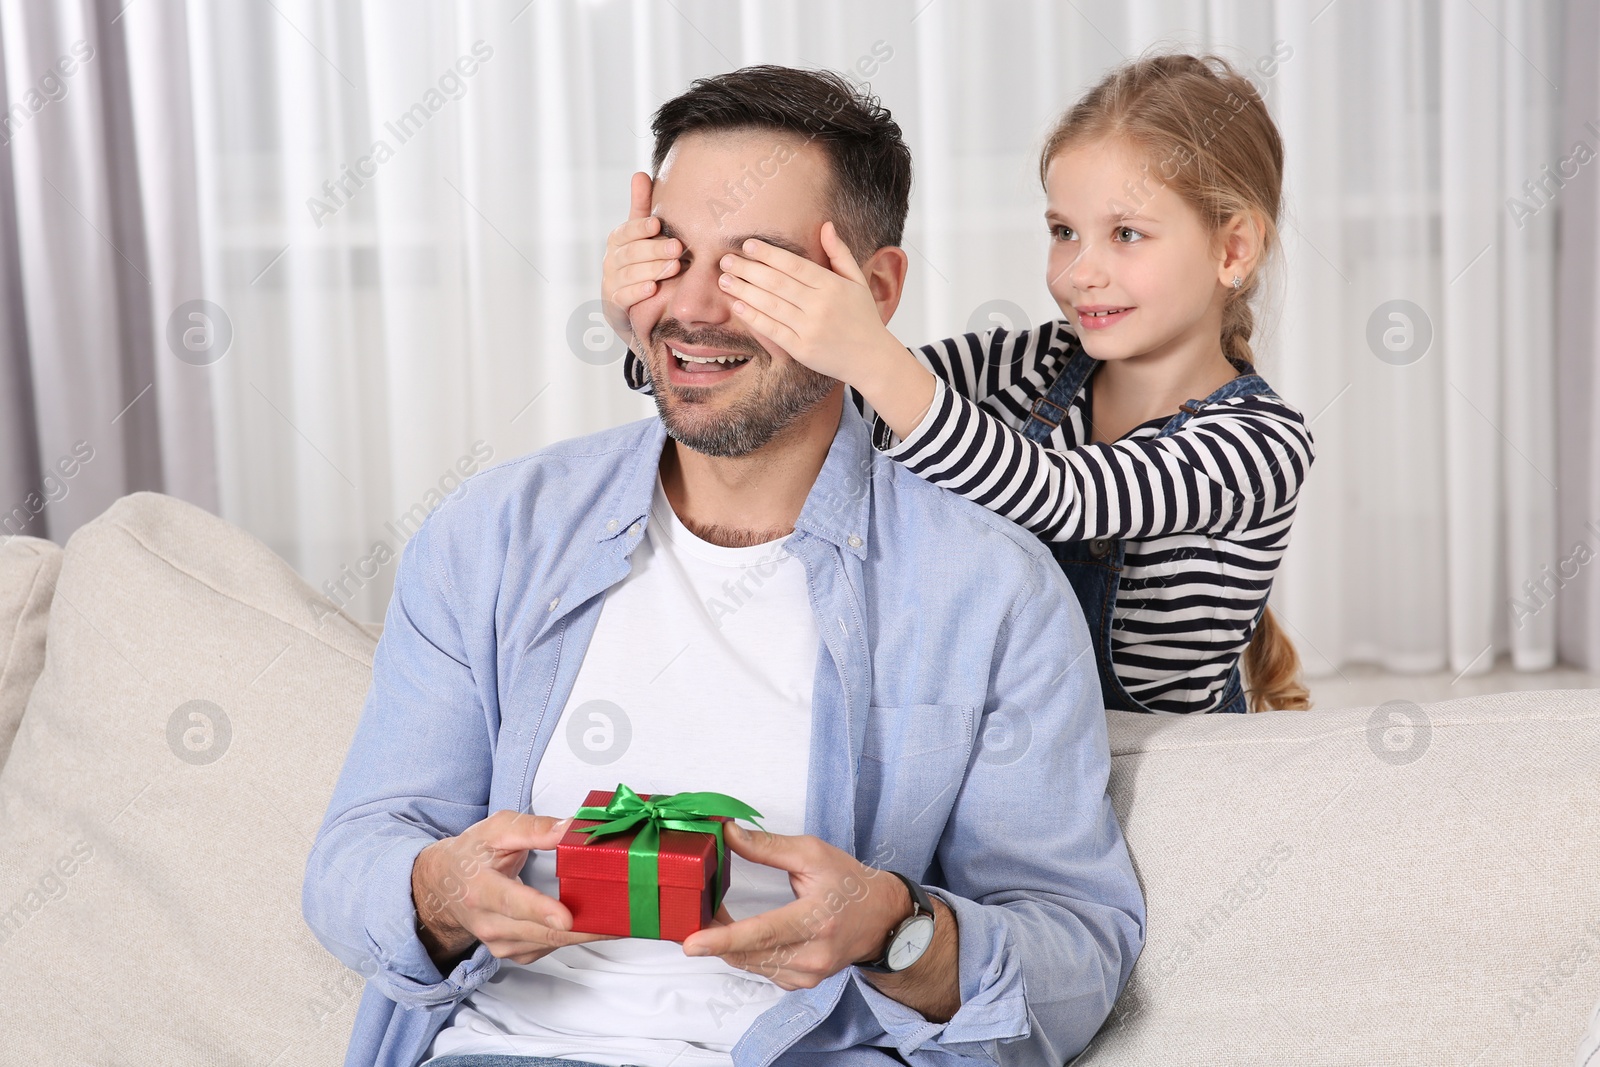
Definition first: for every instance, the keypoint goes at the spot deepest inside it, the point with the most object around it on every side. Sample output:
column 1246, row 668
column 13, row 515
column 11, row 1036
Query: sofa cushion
column 1399, row 884
column 1323, row 886
column 28, row 570
column 173, row 765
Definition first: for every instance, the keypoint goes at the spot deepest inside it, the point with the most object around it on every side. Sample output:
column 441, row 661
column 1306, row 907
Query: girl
column 1133, row 435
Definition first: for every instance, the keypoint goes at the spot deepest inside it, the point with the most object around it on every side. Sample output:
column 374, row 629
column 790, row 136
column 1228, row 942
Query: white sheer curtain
column 381, row 337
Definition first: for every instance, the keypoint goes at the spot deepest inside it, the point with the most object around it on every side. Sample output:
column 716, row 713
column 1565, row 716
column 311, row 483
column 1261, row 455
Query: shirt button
column 1099, row 546
column 611, row 526
column 553, row 602
column 634, row 529
column 854, row 542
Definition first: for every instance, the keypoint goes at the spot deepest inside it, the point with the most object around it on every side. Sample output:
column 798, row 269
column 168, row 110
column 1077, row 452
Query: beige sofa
column 1322, row 888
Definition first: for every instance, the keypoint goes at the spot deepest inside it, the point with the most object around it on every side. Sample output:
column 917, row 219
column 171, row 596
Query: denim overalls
column 1094, row 567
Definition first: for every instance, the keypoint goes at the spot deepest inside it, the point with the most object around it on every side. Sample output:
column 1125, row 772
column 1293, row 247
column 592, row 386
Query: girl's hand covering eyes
column 826, row 319
column 635, row 261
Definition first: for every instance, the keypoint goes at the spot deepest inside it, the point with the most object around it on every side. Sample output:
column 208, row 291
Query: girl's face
column 1121, row 241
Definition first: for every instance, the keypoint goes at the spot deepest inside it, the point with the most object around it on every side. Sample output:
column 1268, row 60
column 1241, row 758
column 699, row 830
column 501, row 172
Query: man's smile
column 700, row 365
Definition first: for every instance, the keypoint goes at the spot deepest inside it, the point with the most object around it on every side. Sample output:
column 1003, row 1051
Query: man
column 740, row 596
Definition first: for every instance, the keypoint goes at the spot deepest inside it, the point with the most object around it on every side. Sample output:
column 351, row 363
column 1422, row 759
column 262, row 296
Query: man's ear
column 885, row 271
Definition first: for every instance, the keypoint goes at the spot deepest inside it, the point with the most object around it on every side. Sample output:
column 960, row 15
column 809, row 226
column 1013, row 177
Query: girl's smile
column 1101, row 316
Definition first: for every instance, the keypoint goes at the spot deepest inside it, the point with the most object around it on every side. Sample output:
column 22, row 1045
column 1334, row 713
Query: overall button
column 1099, row 546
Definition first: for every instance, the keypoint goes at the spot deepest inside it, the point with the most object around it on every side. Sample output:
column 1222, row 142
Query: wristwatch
column 910, row 937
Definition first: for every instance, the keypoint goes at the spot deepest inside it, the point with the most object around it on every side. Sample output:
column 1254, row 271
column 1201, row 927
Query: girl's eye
column 1065, row 233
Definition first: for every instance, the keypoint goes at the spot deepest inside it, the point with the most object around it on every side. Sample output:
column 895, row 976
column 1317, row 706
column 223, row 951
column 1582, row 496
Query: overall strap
column 1052, row 407
column 1248, row 383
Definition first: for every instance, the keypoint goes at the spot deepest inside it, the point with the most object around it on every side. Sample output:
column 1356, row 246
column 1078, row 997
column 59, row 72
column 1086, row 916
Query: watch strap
column 921, row 904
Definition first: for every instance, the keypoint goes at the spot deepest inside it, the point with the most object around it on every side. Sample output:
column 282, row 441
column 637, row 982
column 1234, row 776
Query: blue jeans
column 508, row 1061
column 497, row 1060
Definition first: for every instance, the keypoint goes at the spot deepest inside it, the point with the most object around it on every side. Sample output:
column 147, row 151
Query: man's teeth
column 708, row 359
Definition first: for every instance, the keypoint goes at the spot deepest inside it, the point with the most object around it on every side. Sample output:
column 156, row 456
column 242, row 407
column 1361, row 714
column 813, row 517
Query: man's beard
column 784, row 397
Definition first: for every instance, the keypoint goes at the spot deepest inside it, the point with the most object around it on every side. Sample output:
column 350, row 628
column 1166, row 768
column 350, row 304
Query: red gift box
column 592, row 873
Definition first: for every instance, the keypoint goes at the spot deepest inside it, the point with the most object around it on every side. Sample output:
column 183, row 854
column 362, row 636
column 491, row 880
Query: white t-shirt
column 698, row 678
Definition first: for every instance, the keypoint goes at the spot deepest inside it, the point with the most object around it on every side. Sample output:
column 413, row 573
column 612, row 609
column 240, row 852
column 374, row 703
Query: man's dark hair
column 871, row 163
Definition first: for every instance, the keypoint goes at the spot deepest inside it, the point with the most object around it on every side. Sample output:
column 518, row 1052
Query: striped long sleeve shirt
column 1205, row 512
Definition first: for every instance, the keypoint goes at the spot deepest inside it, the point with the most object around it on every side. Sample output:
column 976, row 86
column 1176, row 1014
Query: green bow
column 676, row 811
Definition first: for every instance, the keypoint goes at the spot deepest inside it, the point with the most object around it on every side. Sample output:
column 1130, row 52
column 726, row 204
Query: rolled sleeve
column 411, row 978
column 994, row 1003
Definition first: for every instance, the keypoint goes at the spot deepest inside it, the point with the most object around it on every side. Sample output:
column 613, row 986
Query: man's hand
column 842, row 914
column 467, row 889
column 828, row 320
column 635, row 260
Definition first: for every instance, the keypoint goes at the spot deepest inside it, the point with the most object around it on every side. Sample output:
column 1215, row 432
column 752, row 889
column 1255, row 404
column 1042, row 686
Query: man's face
column 720, row 390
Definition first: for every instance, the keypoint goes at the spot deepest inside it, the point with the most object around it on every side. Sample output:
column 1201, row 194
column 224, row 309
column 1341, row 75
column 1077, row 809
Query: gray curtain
column 1577, row 303
column 98, row 247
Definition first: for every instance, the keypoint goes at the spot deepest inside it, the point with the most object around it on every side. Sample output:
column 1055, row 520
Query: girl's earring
column 1237, row 281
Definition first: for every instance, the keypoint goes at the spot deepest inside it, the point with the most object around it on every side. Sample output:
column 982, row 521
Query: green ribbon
column 677, row 811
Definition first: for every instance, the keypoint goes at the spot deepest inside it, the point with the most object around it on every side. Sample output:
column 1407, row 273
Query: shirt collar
column 839, row 504
column 836, row 509
column 628, row 506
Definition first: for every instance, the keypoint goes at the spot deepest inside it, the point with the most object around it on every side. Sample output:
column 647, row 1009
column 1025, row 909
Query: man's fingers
column 512, row 913
column 516, row 900
column 529, row 932
column 639, row 195
column 790, row 853
column 755, row 934
column 526, row 952
column 775, row 965
column 758, row 933
column 509, row 937
column 512, row 831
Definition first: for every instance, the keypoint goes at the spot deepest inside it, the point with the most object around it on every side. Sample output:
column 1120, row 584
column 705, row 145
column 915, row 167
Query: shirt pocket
column 913, row 761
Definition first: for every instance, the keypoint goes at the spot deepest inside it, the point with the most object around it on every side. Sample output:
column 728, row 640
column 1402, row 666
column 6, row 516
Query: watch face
column 911, row 942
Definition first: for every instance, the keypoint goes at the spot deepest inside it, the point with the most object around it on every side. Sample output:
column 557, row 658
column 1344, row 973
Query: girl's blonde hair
column 1205, row 133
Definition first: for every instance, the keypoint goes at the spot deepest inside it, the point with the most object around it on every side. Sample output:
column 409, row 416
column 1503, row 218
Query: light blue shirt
column 958, row 736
